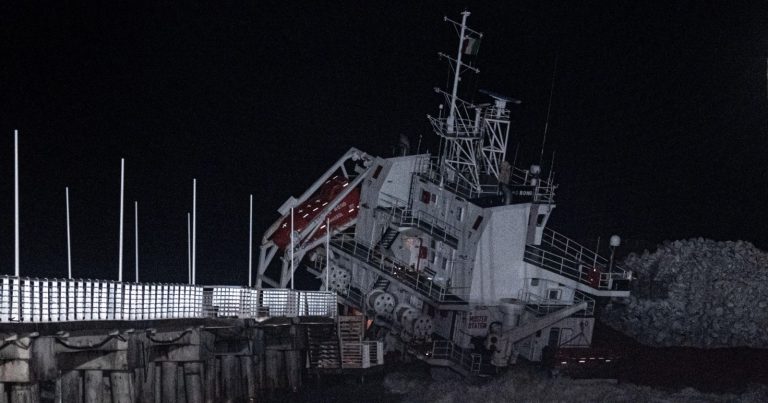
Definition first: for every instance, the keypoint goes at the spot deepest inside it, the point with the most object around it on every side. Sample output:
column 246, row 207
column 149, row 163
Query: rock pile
column 696, row 293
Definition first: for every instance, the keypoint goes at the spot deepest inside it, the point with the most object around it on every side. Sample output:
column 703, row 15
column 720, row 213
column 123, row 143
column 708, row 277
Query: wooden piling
column 145, row 383
column 293, row 369
column 3, row 393
column 24, row 393
column 246, row 369
column 210, row 380
column 274, row 366
column 193, row 374
column 158, row 383
column 230, row 378
column 106, row 389
column 70, row 387
column 168, row 384
column 92, row 386
column 122, row 388
column 181, row 394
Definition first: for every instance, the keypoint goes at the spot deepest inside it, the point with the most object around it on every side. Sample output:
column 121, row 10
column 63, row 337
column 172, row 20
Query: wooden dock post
column 193, row 374
column 210, row 380
column 293, row 369
column 181, row 393
column 168, row 385
column 93, row 386
column 24, row 393
column 230, row 378
column 249, row 382
column 122, row 388
column 71, row 387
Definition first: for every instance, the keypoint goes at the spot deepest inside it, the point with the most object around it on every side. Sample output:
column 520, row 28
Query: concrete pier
column 208, row 360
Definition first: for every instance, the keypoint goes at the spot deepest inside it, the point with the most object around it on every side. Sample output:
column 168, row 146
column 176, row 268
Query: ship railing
column 494, row 113
column 403, row 216
column 543, row 191
column 564, row 265
column 579, row 297
column 581, row 254
column 429, row 169
column 541, row 306
column 253, row 303
column 418, row 280
column 465, row 358
column 362, row 354
column 35, row 300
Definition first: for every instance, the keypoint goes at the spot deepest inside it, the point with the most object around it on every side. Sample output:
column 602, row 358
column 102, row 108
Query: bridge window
column 425, row 197
column 477, row 223
column 540, row 219
column 459, row 213
column 534, row 282
column 553, row 293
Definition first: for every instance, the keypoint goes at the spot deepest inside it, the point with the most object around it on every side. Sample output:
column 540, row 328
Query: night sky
column 658, row 116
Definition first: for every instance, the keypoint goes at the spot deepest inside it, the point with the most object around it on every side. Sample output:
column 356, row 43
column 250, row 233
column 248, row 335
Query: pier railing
column 34, row 300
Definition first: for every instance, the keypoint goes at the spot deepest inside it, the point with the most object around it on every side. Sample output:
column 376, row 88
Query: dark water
column 709, row 370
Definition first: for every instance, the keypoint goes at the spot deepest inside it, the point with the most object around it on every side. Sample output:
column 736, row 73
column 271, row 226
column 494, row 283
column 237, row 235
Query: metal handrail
column 403, row 216
column 577, row 252
column 465, row 358
column 34, row 300
column 564, row 266
column 544, row 191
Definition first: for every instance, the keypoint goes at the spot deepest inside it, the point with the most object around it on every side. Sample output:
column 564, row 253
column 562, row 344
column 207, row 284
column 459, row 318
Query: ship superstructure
column 448, row 256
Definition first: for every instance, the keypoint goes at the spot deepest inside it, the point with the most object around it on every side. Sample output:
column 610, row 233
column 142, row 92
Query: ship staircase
column 342, row 346
column 394, row 270
column 323, row 347
column 590, row 272
column 402, row 217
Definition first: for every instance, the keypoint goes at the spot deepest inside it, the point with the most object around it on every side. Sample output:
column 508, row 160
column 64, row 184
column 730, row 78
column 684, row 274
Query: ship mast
column 463, row 139
column 475, row 136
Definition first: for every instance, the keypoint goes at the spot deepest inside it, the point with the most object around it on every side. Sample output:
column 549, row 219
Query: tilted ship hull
column 448, row 256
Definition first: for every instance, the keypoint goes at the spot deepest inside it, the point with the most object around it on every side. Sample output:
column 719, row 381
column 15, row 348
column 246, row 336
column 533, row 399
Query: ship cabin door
column 554, row 337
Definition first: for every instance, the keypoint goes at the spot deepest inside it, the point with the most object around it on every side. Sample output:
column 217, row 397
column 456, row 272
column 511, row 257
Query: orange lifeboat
column 304, row 213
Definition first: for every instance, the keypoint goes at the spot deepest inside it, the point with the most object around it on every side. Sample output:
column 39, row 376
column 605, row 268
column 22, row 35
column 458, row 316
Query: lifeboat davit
column 304, row 213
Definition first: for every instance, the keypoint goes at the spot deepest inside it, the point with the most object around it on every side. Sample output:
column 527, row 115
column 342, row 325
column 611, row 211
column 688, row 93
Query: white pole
column 194, row 229
column 250, row 240
column 136, row 228
column 292, row 247
column 122, row 189
column 189, row 250
column 16, row 199
column 327, row 252
column 69, row 242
